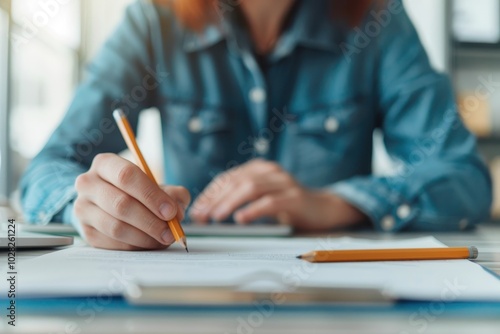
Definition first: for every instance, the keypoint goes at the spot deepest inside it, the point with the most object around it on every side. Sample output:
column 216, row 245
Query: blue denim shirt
column 326, row 88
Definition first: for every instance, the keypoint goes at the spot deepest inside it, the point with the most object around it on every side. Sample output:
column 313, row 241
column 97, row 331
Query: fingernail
column 238, row 218
column 198, row 210
column 167, row 237
column 167, row 210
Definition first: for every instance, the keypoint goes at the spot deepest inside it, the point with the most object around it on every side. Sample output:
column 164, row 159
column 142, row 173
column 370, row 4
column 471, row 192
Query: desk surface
column 88, row 316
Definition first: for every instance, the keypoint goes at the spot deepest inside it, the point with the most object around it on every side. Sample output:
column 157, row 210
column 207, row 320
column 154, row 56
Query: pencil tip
column 187, row 250
column 299, row 257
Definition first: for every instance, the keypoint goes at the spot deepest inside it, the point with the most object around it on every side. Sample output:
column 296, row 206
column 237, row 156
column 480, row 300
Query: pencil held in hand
column 404, row 254
column 128, row 135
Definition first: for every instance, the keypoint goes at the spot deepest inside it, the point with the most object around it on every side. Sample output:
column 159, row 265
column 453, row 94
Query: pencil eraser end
column 473, row 252
column 118, row 114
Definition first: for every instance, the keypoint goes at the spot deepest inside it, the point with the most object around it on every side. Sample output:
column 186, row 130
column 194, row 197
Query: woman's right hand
column 120, row 208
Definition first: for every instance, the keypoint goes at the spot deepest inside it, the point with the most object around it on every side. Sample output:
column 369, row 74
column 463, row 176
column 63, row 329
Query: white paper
column 84, row 271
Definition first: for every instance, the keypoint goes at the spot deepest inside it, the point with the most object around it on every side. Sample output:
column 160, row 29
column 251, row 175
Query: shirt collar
column 310, row 26
column 197, row 41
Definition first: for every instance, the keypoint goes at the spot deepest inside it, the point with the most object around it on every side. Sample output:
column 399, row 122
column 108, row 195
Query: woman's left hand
column 260, row 189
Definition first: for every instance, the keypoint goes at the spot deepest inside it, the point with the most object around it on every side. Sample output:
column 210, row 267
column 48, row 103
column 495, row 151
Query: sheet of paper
column 84, row 271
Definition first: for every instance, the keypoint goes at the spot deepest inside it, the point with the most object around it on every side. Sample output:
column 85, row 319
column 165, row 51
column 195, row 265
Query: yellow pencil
column 128, row 135
column 404, row 254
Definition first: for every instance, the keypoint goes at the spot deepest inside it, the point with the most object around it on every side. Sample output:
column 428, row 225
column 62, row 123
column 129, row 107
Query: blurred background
column 51, row 41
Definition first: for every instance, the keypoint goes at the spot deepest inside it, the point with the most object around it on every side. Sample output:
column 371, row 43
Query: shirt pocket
column 324, row 144
column 198, row 133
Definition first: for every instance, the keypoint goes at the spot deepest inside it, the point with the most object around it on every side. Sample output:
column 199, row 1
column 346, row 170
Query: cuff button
column 388, row 223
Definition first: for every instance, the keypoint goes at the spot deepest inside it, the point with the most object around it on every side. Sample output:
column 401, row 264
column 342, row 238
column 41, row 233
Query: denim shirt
column 325, row 90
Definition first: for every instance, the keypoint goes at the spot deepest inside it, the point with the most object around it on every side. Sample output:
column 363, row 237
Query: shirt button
column 331, row 124
column 195, row 125
column 257, row 95
column 261, row 146
column 404, row 211
column 388, row 223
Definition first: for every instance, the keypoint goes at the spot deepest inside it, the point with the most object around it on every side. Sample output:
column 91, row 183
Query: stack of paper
column 252, row 263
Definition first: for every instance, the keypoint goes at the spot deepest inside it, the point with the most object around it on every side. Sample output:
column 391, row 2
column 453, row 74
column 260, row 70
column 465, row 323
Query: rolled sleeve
column 382, row 200
column 54, row 184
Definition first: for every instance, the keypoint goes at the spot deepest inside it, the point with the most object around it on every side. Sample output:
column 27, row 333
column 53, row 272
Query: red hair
column 196, row 14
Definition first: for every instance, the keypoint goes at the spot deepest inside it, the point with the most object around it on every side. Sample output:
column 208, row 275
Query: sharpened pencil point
column 184, row 244
column 299, row 257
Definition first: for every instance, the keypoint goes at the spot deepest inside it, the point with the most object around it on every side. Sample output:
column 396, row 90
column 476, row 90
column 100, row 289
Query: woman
column 268, row 110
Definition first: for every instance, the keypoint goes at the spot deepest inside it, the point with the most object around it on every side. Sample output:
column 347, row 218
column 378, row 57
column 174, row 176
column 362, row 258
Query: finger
column 124, row 207
column 99, row 240
column 201, row 206
column 181, row 196
column 268, row 206
column 116, row 229
column 224, row 181
column 223, row 186
column 247, row 191
column 177, row 193
column 261, row 166
column 128, row 177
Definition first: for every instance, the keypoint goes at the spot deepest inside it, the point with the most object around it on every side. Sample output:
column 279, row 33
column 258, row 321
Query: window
column 4, row 77
column 51, row 41
column 45, row 42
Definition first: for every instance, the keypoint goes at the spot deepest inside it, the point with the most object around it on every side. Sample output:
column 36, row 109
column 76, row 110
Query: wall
column 100, row 19
column 430, row 19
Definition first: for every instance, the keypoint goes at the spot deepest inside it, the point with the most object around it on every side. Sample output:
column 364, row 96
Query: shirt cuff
column 383, row 201
column 53, row 208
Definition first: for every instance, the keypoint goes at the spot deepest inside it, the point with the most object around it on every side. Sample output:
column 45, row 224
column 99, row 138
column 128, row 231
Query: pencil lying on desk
column 404, row 254
column 128, row 135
